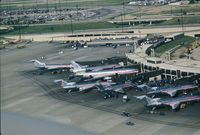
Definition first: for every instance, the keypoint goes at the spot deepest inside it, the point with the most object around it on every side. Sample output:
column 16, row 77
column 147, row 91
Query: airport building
column 172, row 69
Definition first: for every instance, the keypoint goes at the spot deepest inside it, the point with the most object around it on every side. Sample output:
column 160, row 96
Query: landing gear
column 126, row 114
column 130, row 123
column 54, row 72
column 115, row 94
column 69, row 91
column 105, row 97
column 177, row 109
column 40, row 72
column 110, row 94
column 153, row 109
column 71, row 77
column 125, row 98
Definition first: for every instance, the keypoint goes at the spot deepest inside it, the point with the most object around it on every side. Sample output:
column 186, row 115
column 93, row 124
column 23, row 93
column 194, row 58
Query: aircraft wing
column 127, row 85
column 81, row 88
column 140, row 97
column 50, row 67
column 94, row 68
column 99, row 68
column 174, row 105
column 94, row 78
column 69, row 87
column 171, row 93
column 84, row 88
column 102, row 88
column 120, row 88
column 100, row 76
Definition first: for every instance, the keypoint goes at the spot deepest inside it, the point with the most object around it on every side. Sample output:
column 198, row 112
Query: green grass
column 186, row 20
column 186, row 40
column 184, row 9
column 115, row 1
column 36, row 29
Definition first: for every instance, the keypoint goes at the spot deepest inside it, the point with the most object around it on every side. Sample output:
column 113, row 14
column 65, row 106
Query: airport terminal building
column 171, row 69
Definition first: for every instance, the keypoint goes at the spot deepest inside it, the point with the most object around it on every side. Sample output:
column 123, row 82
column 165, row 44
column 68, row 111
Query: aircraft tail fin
column 76, row 67
column 63, row 83
column 174, row 105
column 148, row 99
column 100, row 87
column 121, row 63
column 37, row 63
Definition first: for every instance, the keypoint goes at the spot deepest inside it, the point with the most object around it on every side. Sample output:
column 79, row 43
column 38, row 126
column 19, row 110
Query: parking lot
column 43, row 15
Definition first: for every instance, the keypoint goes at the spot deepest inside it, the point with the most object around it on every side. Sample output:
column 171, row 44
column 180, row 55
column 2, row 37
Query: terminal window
column 167, row 71
column 173, row 72
column 184, row 73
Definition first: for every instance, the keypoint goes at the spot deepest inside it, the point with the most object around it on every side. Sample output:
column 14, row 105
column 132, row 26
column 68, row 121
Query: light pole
column 171, row 10
column 47, row 5
column 122, row 23
column 71, row 24
column 19, row 30
column 182, row 19
column 123, row 10
column 77, row 12
column 36, row 5
column 123, row 17
column 60, row 7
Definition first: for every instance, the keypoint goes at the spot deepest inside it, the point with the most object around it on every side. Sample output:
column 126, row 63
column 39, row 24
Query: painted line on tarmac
column 21, row 101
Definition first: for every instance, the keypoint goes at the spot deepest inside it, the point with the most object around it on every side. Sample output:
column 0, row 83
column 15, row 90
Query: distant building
column 197, row 36
column 154, row 2
column 175, row 36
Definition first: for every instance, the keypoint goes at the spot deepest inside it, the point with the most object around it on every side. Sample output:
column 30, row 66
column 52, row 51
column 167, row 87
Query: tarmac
column 195, row 54
column 24, row 91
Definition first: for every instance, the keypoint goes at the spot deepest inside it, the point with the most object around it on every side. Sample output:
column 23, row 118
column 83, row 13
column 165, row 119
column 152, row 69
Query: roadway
column 138, row 32
column 27, row 93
